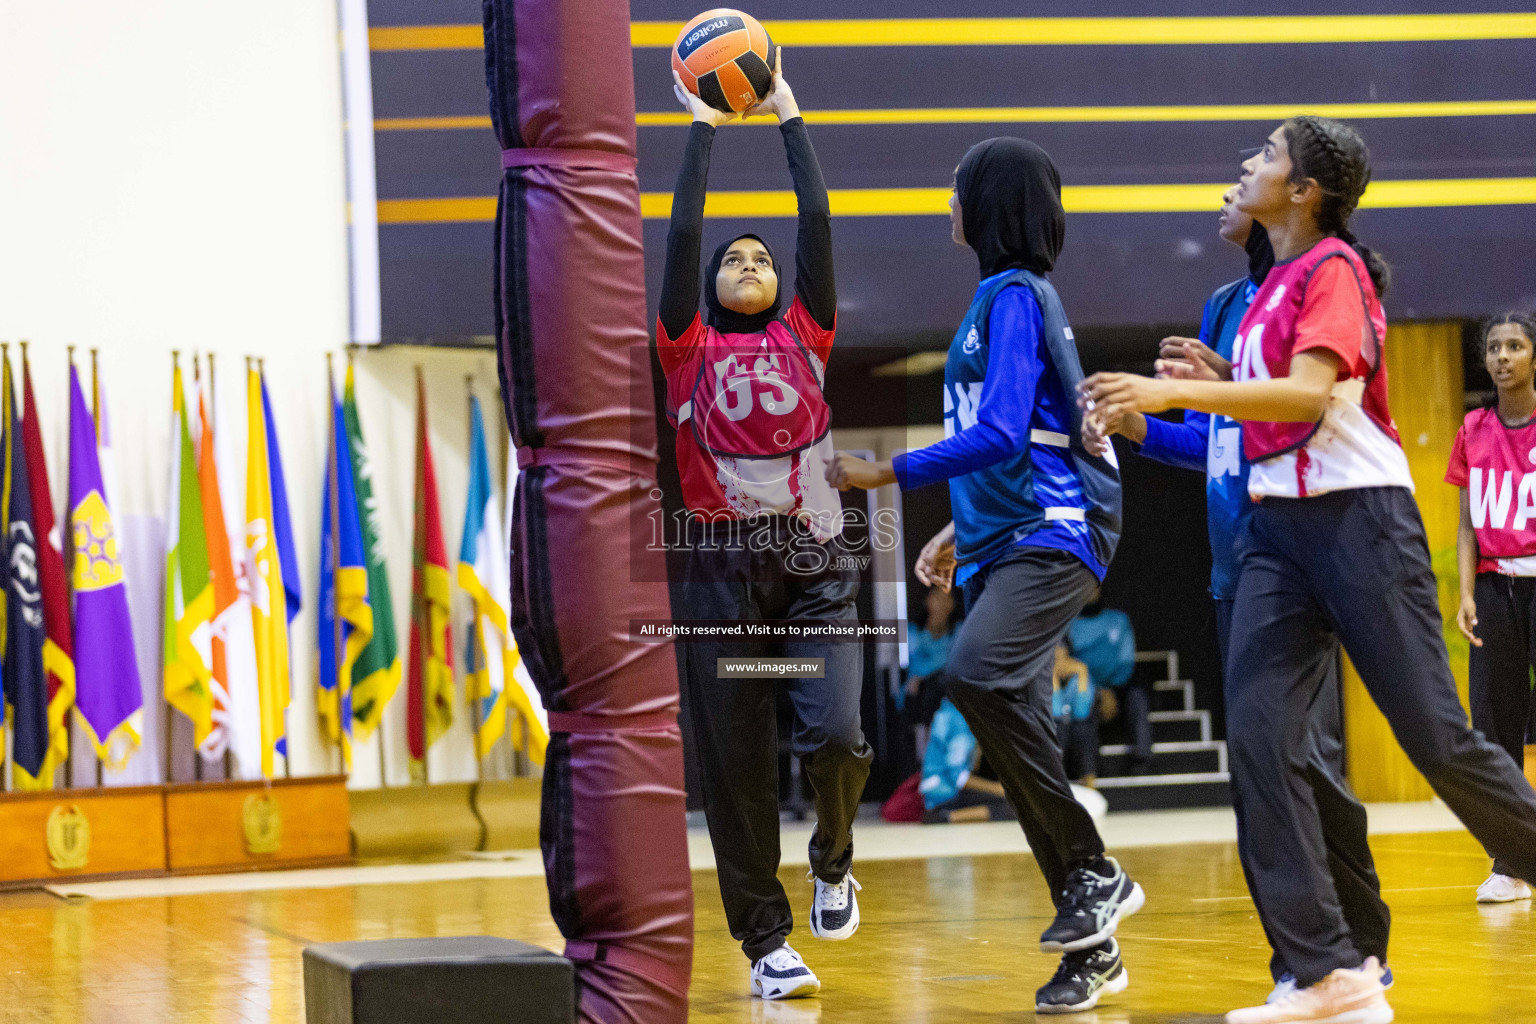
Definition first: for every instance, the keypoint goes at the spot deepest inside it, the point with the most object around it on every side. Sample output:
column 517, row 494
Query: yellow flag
column 269, row 617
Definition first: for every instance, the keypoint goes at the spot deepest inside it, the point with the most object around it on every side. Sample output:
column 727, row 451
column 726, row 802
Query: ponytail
column 1379, row 269
column 1334, row 155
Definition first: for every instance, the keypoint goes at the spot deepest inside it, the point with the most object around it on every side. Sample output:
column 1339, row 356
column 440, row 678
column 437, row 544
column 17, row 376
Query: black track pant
column 1352, row 564
column 1017, row 611
column 1500, row 671
column 735, row 724
column 1342, row 817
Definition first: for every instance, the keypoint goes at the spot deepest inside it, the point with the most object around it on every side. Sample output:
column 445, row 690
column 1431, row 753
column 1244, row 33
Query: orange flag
column 226, row 591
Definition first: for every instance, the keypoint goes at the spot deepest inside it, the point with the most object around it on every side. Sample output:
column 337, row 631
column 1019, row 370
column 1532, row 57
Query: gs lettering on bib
column 1497, row 466
column 753, row 426
column 757, row 398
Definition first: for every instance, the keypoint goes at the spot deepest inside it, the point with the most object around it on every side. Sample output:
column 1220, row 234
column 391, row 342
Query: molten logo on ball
column 725, row 58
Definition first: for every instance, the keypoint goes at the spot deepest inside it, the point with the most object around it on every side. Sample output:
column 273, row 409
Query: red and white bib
column 752, row 424
column 1323, row 299
column 1497, row 466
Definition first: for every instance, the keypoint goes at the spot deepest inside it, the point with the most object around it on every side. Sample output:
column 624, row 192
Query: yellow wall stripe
column 427, row 37
column 417, row 124
column 909, row 202
column 1328, row 28
column 1060, row 115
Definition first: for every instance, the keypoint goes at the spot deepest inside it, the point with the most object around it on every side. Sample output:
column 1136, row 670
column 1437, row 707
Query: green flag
column 188, row 584
column 376, row 673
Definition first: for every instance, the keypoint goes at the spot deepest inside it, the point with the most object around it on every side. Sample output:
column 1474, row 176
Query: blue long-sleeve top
column 1216, row 448
column 993, row 420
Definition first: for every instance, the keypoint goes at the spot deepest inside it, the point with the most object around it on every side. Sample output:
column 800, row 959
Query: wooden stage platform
column 944, row 939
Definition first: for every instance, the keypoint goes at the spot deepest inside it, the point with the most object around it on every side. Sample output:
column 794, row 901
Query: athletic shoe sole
column 1112, row 987
column 1494, row 901
column 837, row 934
column 789, row 988
column 1132, row 903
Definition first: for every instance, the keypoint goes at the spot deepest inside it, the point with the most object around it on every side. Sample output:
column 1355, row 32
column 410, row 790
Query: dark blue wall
column 900, row 281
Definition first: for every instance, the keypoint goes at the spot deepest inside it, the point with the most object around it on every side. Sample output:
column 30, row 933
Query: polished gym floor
column 948, row 937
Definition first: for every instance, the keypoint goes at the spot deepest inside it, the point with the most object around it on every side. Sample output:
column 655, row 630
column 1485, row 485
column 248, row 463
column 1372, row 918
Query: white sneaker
column 1344, row 997
column 1287, row 984
column 783, row 975
column 835, row 909
column 1502, row 889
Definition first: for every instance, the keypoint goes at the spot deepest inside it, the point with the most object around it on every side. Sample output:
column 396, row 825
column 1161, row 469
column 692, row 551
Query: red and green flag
column 429, row 680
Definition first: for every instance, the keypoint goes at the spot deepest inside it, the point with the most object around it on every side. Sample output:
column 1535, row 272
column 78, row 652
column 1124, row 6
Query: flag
column 108, row 692
column 346, row 620
column 230, row 655
column 269, row 618
column 240, row 643
column 530, row 727
column 189, row 603
column 26, row 683
column 490, row 655
column 429, row 686
column 376, row 674
column 282, row 520
column 58, row 647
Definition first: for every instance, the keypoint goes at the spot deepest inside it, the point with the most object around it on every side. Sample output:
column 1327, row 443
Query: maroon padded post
column 572, row 343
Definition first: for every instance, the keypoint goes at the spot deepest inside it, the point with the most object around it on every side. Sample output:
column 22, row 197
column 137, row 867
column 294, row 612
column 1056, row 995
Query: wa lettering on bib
column 1497, row 466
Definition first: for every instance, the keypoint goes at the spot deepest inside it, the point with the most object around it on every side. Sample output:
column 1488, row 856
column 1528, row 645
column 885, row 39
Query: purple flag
column 107, row 687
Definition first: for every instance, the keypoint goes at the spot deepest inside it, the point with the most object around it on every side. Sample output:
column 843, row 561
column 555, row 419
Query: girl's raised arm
column 680, row 277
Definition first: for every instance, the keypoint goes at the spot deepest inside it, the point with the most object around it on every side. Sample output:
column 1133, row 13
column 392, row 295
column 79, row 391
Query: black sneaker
column 1082, row 979
column 1091, row 909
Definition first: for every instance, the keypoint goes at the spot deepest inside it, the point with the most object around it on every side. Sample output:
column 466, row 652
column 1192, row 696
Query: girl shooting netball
column 753, row 440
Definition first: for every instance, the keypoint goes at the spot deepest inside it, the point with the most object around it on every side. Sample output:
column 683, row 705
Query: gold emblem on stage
column 263, row 821
column 69, row 838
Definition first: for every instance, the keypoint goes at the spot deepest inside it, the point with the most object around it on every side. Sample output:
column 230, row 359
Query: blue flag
column 343, row 588
column 26, row 684
column 282, row 526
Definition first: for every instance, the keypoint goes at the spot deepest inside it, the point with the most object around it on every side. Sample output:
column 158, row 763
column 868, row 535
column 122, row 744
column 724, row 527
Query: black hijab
column 728, row 321
column 1010, row 206
column 1261, row 254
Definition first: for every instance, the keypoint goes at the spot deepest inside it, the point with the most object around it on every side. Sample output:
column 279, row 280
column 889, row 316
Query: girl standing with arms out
column 1214, row 444
column 753, row 440
column 1334, row 546
column 1494, row 464
column 1037, row 518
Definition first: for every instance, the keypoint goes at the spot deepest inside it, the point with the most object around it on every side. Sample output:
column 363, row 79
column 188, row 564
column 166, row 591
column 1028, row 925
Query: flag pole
column 261, row 371
column 10, row 446
column 170, row 715
column 229, row 762
column 197, row 381
column 96, row 426
column 423, row 627
column 65, row 537
column 67, row 544
column 333, row 511
column 475, row 624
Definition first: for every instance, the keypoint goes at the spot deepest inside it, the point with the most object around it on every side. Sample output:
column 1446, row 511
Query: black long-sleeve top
column 814, row 283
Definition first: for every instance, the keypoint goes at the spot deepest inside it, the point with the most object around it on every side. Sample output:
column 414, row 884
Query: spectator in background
column 1496, row 556
column 1105, row 642
column 1074, row 705
column 951, row 788
column 927, row 654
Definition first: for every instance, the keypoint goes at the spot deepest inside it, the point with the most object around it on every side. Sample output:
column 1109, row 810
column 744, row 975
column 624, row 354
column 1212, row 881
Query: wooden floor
column 946, row 939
